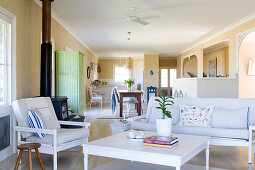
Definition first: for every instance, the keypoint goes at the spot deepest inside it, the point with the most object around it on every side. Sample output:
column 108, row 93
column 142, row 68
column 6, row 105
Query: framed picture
column 92, row 66
column 213, row 67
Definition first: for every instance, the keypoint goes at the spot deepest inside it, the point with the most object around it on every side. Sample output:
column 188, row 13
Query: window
column 164, row 77
column 172, row 76
column 121, row 73
column 5, row 63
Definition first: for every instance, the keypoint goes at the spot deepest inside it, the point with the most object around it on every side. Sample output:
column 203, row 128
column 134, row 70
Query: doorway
column 167, row 77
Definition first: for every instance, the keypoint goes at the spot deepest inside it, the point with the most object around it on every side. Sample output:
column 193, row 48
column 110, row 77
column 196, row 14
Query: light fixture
column 251, row 69
column 128, row 64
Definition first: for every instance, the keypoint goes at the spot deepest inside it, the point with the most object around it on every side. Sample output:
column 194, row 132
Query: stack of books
column 161, row 141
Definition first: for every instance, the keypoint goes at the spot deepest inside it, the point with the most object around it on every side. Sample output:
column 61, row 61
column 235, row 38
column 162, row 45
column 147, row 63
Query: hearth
column 60, row 105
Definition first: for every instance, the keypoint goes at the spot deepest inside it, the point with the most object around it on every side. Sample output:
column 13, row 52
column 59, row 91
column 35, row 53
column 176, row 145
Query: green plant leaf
column 168, row 114
column 164, row 101
column 161, row 97
column 162, row 93
column 158, row 100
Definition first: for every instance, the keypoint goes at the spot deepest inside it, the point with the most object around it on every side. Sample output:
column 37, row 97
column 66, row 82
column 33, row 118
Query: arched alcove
column 246, row 61
column 216, row 60
column 190, row 67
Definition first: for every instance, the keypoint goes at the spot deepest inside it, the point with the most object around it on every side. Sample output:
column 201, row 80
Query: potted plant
column 164, row 125
column 129, row 83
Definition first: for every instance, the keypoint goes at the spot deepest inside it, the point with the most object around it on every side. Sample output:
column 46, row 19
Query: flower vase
column 129, row 88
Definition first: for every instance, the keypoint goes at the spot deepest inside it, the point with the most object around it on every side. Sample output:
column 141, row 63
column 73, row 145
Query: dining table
column 131, row 94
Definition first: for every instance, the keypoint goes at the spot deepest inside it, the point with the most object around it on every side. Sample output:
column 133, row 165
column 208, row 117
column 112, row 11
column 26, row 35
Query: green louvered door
column 70, row 79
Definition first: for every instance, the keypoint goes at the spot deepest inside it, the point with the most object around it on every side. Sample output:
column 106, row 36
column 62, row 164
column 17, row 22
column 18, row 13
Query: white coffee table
column 119, row 147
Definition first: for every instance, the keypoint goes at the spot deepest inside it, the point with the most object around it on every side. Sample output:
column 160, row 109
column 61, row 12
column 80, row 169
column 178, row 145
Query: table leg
column 207, row 156
column 18, row 160
column 30, row 159
column 121, row 104
column 39, row 158
column 86, row 161
column 139, row 105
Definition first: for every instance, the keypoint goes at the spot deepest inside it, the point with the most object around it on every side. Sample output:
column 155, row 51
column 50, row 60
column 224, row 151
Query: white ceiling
column 182, row 23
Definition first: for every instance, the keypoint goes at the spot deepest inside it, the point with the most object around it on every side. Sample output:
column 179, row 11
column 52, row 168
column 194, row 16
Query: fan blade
column 150, row 17
column 138, row 20
column 120, row 20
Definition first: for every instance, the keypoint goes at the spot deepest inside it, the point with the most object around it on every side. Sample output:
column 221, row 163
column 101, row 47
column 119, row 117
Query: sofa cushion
column 196, row 115
column 251, row 116
column 45, row 107
column 20, row 110
column 63, row 136
column 221, row 118
column 157, row 114
column 226, row 103
column 152, row 103
column 192, row 130
column 213, row 132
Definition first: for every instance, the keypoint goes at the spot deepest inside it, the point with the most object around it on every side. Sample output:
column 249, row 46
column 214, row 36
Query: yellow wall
column 222, row 58
column 246, row 82
column 231, row 35
column 137, row 60
column 190, row 65
column 151, row 62
column 107, row 66
column 168, row 62
column 28, row 20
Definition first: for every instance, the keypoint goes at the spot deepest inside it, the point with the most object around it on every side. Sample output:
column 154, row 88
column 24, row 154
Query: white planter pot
column 164, row 127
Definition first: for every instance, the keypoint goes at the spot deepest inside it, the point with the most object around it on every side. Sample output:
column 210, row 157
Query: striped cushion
column 35, row 121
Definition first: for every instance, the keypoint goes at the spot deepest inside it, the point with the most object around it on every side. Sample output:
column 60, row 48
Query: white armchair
column 57, row 139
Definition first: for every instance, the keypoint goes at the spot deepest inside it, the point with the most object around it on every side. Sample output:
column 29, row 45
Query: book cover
column 161, row 146
column 160, row 140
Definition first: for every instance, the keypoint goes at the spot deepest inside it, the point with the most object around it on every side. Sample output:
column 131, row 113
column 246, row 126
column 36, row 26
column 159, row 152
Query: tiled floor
column 220, row 157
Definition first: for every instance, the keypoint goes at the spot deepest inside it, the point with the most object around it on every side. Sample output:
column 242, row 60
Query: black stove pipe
column 46, row 49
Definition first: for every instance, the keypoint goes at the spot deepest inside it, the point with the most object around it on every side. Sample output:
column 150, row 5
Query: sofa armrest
column 137, row 118
column 252, row 127
column 74, row 123
column 33, row 130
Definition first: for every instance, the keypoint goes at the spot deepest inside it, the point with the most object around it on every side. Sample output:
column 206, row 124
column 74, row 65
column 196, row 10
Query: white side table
column 118, row 127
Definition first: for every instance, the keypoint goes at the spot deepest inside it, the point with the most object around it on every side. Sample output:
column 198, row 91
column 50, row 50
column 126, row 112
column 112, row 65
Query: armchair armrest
column 137, row 118
column 33, row 130
column 74, row 123
column 53, row 132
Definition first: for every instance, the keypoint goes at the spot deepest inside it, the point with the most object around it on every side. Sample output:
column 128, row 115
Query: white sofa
column 232, row 124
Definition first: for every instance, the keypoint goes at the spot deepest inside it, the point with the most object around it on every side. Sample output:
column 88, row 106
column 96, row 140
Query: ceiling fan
column 133, row 18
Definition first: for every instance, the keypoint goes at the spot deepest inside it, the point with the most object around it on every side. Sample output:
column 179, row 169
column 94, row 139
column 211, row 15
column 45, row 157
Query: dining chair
column 95, row 98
